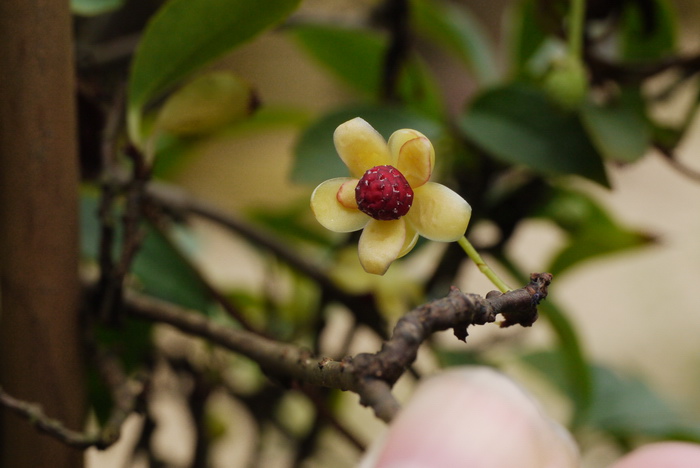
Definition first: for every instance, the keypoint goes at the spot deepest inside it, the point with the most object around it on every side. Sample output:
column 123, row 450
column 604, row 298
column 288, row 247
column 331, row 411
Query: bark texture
column 39, row 334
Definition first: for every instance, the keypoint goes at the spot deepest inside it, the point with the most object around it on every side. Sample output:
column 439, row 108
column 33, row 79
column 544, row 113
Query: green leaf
column 356, row 57
column 648, row 30
column 527, row 34
column 288, row 221
column 573, row 372
column 353, row 55
column 186, row 35
column 164, row 273
column 159, row 267
column 623, row 406
column 619, row 129
column 519, row 125
column 94, row 7
column 592, row 231
column 454, row 28
column 205, row 104
column 315, row 157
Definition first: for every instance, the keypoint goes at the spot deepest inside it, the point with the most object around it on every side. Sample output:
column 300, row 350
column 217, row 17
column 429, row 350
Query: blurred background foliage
column 236, row 102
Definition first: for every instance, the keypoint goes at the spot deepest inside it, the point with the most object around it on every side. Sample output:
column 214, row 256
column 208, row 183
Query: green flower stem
column 483, row 267
column 577, row 16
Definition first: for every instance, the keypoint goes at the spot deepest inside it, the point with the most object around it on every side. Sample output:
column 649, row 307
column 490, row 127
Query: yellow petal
column 330, row 212
column 416, row 159
column 410, row 241
column 439, row 213
column 380, row 244
column 346, row 194
column 360, row 146
column 399, row 138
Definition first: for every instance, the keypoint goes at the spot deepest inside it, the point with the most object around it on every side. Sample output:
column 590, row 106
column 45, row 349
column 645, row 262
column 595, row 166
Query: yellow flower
column 389, row 195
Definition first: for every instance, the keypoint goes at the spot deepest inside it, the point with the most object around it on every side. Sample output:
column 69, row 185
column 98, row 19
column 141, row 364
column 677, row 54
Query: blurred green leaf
column 592, row 231
column 527, row 35
column 159, row 266
column 164, row 273
column 174, row 152
column 648, row 30
column 94, row 7
column 288, row 221
column 206, row 103
column 356, row 56
column 454, row 28
column 519, row 125
column 187, row 34
column 315, row 157
column 619, row 129
column 353, row 55
column 623, row 406
column 573, row 373
column 419, row 90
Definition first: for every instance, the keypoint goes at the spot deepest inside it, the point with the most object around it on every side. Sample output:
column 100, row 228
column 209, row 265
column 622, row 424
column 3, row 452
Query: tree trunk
column 40, row 357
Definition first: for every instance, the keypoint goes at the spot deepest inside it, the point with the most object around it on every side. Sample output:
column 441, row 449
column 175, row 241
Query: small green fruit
column 566, row 83
column 206, row 104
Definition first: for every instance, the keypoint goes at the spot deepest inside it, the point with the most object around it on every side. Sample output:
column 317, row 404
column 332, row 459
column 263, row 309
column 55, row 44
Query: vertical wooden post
column 39, row 288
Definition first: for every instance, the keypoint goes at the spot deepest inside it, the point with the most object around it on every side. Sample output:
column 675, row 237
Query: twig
column 670, row 157
column 126, row 395
column 173, row 199
column 369, row 375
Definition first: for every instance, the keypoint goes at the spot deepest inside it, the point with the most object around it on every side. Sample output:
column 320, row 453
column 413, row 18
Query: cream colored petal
column 416, row 159
column 360, row 146
column 380, row 244
column 410, row 241
column 399, row 137
column 346, row 194
column 439, row 213
column 331, row 213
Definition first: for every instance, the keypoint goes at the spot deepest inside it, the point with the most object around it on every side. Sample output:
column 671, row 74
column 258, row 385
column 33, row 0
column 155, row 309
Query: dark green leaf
column 648, row 30
column 592, row 232
column 619, row 129
column 452, row 27
column 519, row 125
column 159, row 266
column 164, row 273
column 527, row 34
column 187, row 34
column 315, row 157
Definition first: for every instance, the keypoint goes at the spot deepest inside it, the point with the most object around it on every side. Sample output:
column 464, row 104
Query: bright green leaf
column 186, row 35
column 619, row 129
column 519, row 125
column 315, row 157
column 454, row 28
column 648, row 30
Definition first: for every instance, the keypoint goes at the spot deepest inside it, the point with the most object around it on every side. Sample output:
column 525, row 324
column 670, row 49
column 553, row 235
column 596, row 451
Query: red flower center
column 383, row 193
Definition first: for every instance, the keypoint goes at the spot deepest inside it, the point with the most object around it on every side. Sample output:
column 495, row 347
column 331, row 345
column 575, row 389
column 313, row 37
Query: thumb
column 476, row 417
